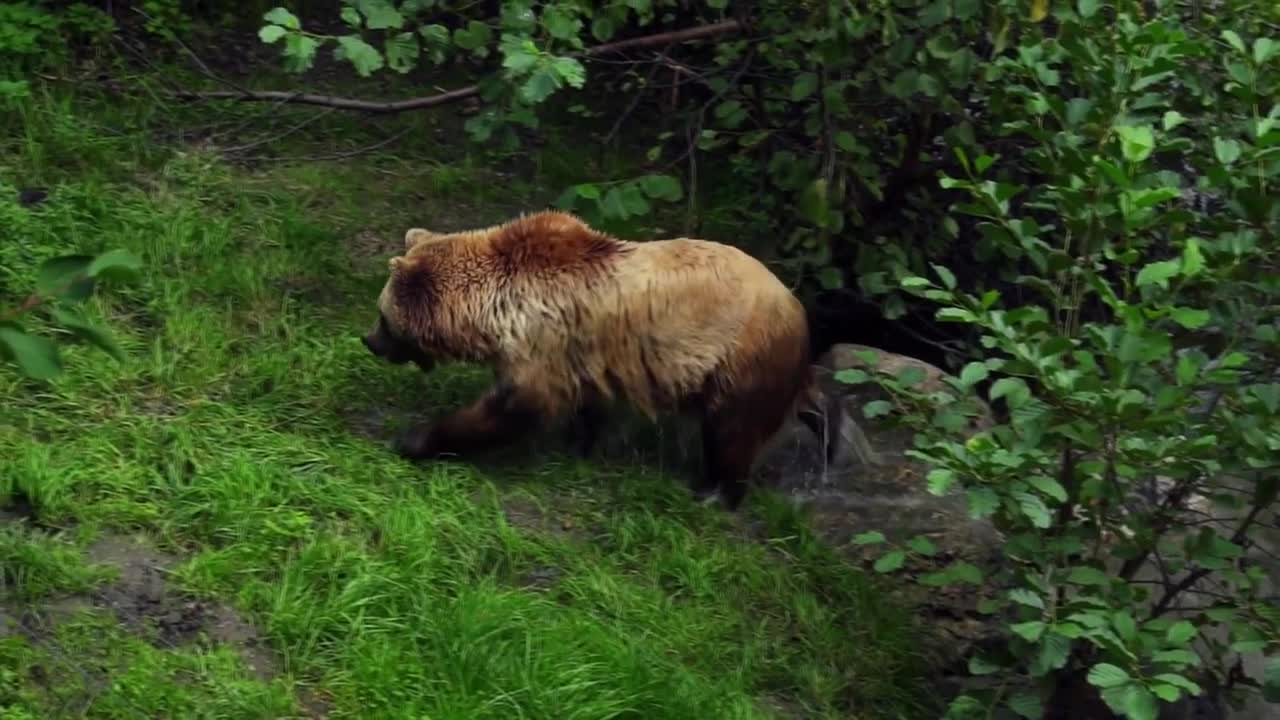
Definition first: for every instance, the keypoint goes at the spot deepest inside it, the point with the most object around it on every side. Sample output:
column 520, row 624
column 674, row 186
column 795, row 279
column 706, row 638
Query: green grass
column 247, row 434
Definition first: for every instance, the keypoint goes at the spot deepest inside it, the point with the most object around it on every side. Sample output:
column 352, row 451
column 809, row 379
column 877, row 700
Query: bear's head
column 390, row 338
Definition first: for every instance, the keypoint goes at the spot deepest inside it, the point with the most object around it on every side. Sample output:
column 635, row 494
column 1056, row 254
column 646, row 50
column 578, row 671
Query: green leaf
column 1105, row 675
column 876, row 408
column 851, row 376
column 1137, row 142
column 542, row 83
column 1173, row 119
column 982, row 502
column 364, row 57
column 115, row 265
column 476, row 35
column 35, row 356
column 1190, row 318
column 846, row 141
column 1263, row 49
column 1227, row 151
column 561, row 23
column 91, row 334
column 1180, row 632
column 603, row 27
column 519, row 57
column 914, row 281
column 1179, row 681
column 804, row 85
column 611, row 205
column 634, row 200
column 830, row 278
column 662, row 187
column 1035, row 509
column 351, row 17
column 1015, row 389
column 922, row 546
column 1023, row 596
column 570, row 70
column 402, row 52
column 59, row 274
column 1192, row 259
column 940, row 480
column 812, row 203
column 271, row 33
column 1233, row 39
column 966, row 573
column 890, row 561
column 928, row 85
column 1027, row 704
column 1158, row 273
column 1178, row 657
column 1139, row 703
column 948, row 279
column 1087, row 8
column 869, row 538
column 299, row 52
column 381, row 15
column 910, row 376
column 974, row 372
column 280, row 16
column 1124, row 625
column 1030, row 631
column 1048, row 486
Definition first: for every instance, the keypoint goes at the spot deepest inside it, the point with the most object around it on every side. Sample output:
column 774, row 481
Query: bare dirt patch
column 143, row 601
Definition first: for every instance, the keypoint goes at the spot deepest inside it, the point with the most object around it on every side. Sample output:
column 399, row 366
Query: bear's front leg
column 502, row 414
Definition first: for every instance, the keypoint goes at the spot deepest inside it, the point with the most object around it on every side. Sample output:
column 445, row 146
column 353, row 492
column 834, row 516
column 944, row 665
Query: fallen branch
column 674, row 37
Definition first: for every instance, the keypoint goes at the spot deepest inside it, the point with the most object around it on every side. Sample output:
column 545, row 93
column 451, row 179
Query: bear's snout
column 370, row 345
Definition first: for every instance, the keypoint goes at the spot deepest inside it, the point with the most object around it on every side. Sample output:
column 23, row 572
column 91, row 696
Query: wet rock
column 887, row 493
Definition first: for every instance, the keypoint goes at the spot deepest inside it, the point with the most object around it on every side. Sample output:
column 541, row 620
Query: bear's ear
column 416, row 236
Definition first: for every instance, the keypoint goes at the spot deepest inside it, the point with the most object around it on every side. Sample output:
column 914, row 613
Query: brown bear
column 570, row 318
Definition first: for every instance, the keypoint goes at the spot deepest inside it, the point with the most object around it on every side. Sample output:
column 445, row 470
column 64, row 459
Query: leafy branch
column 60, row 281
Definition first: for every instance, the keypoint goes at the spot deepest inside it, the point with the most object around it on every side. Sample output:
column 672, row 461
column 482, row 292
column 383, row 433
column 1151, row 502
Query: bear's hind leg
column 739, row 420
column 501, row 415
column 730, row 444
column 584, row 428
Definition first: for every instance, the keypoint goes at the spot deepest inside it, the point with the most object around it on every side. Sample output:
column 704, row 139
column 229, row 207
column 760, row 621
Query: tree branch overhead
column 674, row 37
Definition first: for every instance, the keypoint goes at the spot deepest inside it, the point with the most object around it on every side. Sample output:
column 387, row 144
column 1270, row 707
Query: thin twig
column 280, row 135
column 346, row 153
column 1162, row 606
column 635, row 103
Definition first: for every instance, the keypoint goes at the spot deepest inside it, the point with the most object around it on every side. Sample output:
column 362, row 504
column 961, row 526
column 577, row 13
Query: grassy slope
column 246, row 432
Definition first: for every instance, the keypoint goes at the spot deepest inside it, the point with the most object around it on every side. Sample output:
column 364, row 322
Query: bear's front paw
column 416, row 443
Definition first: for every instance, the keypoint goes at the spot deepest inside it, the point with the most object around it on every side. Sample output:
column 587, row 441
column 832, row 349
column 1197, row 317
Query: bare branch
column 675, row 37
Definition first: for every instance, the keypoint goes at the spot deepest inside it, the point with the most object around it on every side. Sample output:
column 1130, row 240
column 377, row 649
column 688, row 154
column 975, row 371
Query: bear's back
column 676, row 311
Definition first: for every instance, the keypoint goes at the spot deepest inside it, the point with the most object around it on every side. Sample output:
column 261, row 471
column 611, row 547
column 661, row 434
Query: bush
column 1143, row 389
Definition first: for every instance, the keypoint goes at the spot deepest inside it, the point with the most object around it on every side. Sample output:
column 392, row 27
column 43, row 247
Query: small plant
column 61, row 283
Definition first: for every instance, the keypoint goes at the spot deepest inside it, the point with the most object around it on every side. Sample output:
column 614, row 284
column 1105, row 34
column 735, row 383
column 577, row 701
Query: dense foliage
column 1085, row 188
